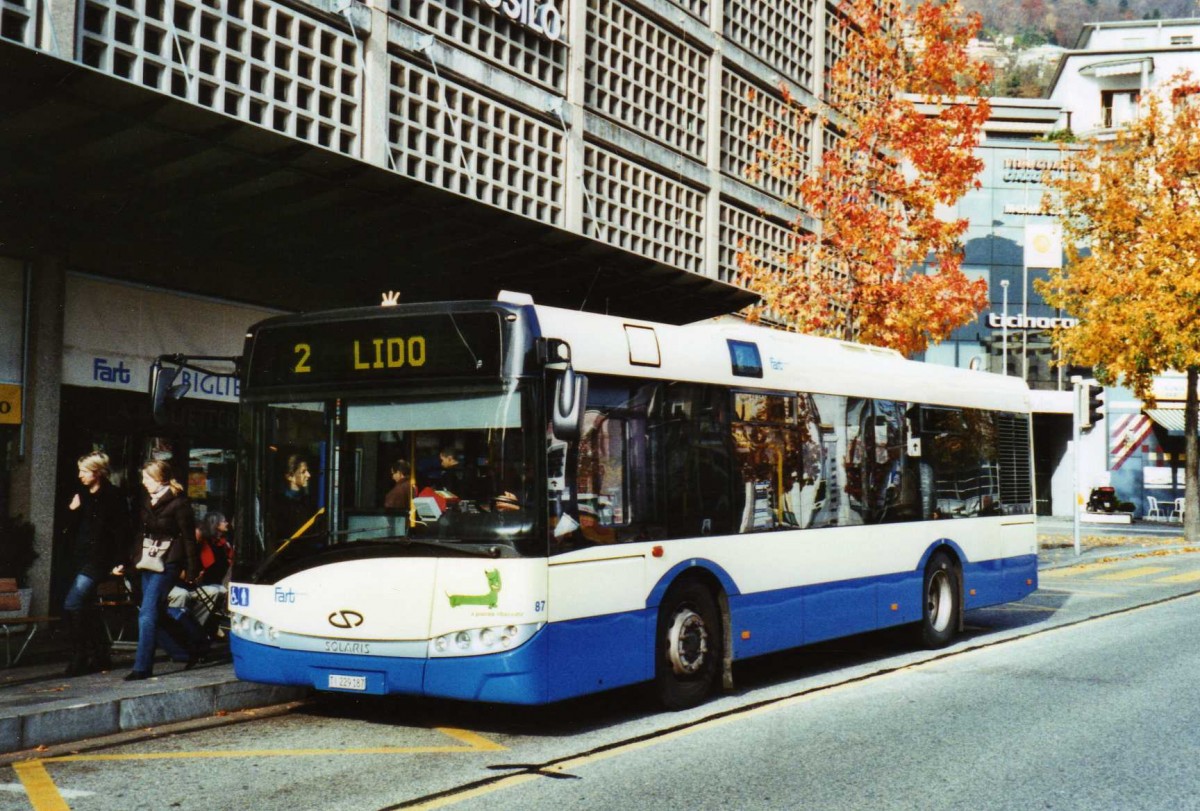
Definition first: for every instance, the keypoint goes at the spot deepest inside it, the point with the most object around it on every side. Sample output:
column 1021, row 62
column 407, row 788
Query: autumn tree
column 904, row 112
column 1131, row 217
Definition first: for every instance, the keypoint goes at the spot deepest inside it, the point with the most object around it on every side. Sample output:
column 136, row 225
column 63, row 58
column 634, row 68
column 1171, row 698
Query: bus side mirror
column 164, row 389
column 570, row 397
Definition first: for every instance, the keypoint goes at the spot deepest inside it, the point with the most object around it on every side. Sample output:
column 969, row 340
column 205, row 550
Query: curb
column 144, row 705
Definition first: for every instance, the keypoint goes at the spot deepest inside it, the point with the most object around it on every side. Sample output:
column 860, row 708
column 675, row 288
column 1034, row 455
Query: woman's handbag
column 154, row 553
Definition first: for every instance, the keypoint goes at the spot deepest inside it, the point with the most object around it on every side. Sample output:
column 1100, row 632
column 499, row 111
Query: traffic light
column 1093, row 410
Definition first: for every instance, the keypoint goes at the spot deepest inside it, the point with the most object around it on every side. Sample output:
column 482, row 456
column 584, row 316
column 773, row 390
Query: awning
column 1169, row 418
column 1119, row 67
column 125, row 182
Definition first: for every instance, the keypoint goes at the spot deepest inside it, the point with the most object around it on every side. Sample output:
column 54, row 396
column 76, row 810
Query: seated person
column 192, row 604
column 400, row 496
column 453, row 475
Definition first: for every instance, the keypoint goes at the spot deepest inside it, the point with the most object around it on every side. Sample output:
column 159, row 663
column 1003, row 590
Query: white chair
column 1177, row 511
column 1153, row 513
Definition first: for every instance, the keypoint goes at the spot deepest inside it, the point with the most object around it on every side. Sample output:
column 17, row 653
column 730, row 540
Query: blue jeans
column 155, row 588
column 194, row 639
column 82, row 594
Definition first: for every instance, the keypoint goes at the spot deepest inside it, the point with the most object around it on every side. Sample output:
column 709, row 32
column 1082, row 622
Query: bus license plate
column 347, row 682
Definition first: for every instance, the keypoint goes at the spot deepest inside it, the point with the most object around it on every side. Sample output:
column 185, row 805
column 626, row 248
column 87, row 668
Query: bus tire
column 941, row 601
column 688, row 646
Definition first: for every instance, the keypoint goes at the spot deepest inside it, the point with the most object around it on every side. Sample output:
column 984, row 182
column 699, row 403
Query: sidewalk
column 39, row 707
column 1056, row 542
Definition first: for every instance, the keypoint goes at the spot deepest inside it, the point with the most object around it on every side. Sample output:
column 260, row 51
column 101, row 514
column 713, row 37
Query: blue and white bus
column 594, row 501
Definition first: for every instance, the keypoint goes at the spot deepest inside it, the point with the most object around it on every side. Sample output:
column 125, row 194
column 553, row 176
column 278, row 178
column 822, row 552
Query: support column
column 376, row 92
column 712, row 157
column 35, row 479
column 575, row 202
column 58, row 36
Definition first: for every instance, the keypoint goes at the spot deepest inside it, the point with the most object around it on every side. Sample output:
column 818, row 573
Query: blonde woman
column 164, row 547
column 96, row 527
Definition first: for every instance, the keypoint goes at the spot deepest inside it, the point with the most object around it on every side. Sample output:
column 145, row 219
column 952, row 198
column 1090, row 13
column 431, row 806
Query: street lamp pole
column 1025, row 320
column 1004, row 327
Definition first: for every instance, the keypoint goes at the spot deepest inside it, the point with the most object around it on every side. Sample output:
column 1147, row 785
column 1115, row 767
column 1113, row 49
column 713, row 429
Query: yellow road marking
column 473, row 742
column 43, row 794
column 1130, row 574
column 1073, row 590
column 473, row 739
column 1071, row 571
column 1187, row 577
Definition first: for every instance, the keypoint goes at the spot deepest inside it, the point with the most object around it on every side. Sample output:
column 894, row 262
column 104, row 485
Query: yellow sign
column 10, row 404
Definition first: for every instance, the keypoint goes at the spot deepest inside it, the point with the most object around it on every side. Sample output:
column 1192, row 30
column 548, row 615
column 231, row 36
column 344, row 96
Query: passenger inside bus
column 293, row 511
column 454, row 477
column 400, row 496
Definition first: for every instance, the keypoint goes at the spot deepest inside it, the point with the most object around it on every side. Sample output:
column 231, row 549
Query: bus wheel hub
column 687, row 642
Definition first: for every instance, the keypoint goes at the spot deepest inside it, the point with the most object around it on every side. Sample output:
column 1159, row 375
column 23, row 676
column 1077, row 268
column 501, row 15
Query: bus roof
column 789, row 361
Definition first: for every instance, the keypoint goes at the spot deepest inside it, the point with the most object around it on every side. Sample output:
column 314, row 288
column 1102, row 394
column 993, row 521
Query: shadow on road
column 621, row 706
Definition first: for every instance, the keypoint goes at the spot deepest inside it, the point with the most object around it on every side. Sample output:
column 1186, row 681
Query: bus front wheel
column 941, row 594
column 688, row 653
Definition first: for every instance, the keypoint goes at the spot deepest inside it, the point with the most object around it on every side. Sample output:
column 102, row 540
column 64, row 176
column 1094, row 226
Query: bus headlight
column 250, row 628
column 478, row 641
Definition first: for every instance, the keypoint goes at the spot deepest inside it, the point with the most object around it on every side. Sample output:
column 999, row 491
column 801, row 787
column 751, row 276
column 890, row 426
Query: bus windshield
column 361, row 475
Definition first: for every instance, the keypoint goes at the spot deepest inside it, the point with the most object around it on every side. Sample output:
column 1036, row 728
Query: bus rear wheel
column 688, row 648
column 942, row 601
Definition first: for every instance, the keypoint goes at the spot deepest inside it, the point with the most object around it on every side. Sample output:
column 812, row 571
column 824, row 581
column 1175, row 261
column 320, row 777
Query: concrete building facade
column 174, row 170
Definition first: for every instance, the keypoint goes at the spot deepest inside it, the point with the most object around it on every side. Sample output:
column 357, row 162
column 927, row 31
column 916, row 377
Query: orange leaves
column 890, row 162
column 1133, row 208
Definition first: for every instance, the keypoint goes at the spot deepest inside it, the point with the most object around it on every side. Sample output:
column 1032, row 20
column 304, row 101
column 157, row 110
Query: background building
column 1138, row 450
column 1098, row 83
column 1095, row 89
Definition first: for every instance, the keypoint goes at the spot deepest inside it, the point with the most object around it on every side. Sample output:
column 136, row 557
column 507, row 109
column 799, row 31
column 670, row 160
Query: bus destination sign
column 377, row 349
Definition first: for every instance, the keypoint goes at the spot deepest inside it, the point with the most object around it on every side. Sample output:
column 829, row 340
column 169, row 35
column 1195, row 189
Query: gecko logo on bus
column 490, row 600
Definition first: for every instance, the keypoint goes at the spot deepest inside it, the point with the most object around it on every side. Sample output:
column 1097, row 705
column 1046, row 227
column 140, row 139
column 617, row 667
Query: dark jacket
column 97, row 530
column 291, row 512
column 170, row 518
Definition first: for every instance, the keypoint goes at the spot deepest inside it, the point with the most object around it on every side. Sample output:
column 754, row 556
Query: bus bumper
column 512, row 677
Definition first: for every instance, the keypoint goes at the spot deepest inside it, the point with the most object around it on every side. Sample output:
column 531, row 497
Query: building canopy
column 123, row 181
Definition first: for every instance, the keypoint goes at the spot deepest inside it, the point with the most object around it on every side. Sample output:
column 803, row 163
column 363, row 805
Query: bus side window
column 601, row 476
column 690, row 438
column 767, row 456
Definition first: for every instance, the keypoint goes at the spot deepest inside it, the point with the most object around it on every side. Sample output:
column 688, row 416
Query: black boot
column 77, row 664
column 97, row 643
